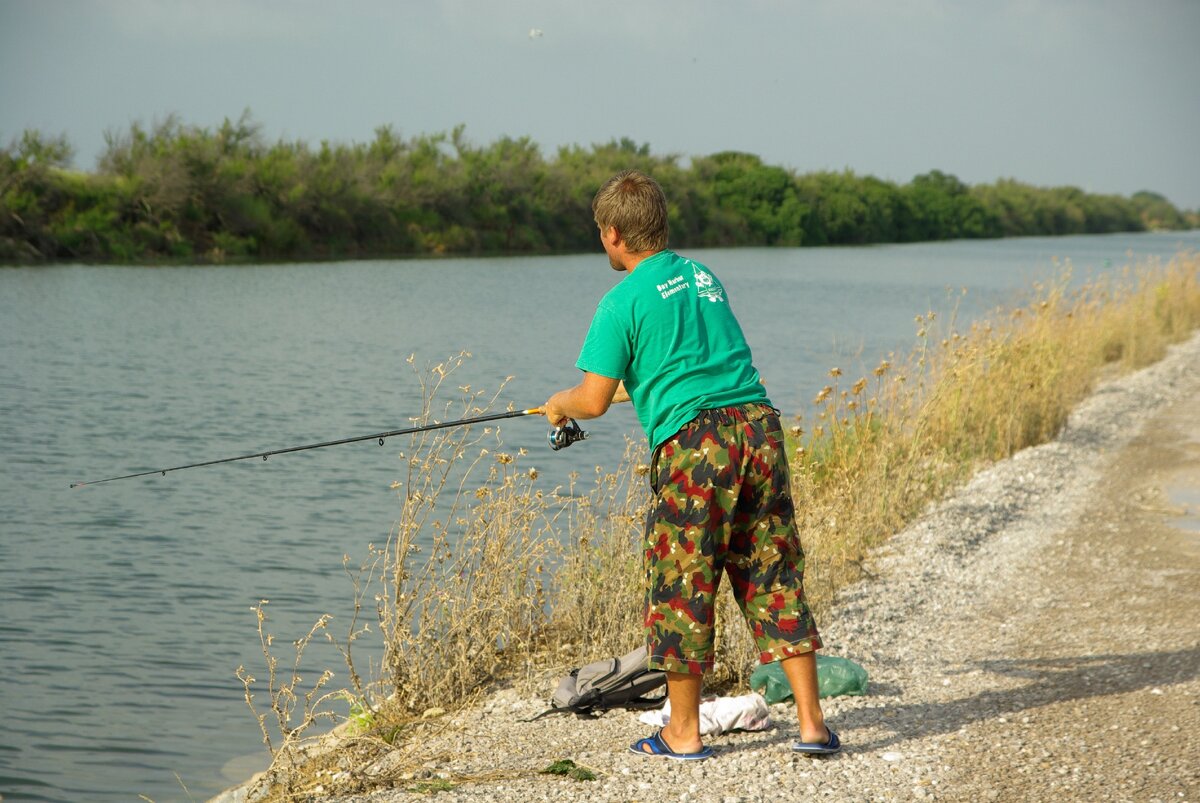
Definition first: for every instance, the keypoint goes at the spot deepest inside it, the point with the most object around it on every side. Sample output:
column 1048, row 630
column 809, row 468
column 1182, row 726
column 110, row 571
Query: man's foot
column 819, row 733
column 819, row 748
column 657, row 746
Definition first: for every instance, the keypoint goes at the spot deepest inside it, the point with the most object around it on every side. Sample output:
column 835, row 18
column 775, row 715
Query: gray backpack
column 623, row 682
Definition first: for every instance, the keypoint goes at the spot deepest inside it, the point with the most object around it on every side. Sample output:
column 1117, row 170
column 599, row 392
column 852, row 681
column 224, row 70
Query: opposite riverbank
column 1031, row 637
column 176, row 193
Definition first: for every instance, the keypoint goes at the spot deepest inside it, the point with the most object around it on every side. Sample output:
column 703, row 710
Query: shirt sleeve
column 607, row 349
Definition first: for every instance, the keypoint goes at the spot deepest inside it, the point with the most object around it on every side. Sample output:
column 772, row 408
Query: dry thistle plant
column 597, row 594
column 295, row 710
column 458, row 588
column 460, row 583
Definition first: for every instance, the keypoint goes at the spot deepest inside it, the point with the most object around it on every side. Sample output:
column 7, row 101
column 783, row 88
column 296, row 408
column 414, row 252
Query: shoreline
column 200, row 261
column 949, row 624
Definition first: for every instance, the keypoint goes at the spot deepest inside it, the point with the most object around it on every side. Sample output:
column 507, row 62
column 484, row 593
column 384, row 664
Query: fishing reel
column 564, row 435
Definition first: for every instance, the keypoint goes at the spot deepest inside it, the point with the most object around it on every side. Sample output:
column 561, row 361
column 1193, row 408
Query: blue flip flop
column 832, row 745
column 659, row 747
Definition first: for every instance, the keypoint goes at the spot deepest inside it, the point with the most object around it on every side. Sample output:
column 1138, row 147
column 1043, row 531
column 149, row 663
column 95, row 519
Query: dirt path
column 1090, row 688
column 1043, row 642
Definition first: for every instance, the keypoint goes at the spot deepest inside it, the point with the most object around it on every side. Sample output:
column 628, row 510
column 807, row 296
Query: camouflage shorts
column 722, row 503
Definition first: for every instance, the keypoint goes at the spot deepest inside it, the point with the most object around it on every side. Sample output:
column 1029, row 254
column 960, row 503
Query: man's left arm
column 589, row 399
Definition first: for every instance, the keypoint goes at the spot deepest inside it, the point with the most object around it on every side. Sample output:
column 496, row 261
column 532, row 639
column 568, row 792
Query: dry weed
column 879, row 452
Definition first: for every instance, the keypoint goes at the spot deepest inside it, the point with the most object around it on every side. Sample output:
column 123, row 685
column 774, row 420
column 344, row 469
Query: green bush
column 175, row 191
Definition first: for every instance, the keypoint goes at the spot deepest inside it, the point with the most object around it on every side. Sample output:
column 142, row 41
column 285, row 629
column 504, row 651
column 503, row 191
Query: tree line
column 178, row 192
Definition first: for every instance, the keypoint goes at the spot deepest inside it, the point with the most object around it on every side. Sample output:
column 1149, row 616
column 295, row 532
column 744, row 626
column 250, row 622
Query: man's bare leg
column 682, row 733
column 801, row 672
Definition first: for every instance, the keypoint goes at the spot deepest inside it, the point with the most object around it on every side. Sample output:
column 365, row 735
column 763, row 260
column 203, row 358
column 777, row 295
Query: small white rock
column 891, row 756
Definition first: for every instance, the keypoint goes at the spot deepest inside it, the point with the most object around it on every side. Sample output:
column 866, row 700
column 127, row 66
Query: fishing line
column 560, row 438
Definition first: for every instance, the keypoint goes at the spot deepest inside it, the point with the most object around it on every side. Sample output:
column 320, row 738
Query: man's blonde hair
column 636, row 205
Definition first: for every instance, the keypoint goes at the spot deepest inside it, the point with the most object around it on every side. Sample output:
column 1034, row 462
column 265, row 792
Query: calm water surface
column 126, row 606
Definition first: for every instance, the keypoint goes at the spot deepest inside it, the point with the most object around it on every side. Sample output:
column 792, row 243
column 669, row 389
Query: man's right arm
column 589, row 399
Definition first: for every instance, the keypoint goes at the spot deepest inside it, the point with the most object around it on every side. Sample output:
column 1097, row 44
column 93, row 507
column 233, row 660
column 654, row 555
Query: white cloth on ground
column 718, row 715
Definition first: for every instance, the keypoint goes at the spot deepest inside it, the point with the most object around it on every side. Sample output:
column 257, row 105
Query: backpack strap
column 622, row 682
column 546, row 713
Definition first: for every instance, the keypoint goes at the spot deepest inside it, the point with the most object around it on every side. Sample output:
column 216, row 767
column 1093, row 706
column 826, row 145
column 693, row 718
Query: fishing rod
column 560, row 437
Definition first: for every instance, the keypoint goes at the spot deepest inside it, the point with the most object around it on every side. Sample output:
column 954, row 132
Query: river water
column 126, row 606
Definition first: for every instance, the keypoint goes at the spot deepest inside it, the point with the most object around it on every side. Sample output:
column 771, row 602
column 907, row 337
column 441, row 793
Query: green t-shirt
column 667, row 330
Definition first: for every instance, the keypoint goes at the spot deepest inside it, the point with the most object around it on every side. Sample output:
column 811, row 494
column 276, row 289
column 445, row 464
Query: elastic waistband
column 739, row 413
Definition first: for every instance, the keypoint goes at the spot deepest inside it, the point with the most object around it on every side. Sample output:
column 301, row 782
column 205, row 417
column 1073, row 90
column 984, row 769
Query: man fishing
column 666, row 339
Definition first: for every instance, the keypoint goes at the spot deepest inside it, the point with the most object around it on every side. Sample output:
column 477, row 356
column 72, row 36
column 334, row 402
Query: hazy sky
column 1101, row 94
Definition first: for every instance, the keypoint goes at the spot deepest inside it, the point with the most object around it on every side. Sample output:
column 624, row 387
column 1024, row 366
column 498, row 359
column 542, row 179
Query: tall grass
column 460, row 593
column 488, row 577
column 878, row 451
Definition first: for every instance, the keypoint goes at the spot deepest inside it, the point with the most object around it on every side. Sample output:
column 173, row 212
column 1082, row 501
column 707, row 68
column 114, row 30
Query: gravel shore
column 1034, row 637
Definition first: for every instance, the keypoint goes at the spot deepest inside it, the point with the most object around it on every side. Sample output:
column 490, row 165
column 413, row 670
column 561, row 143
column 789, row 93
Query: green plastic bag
column 835, row 677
